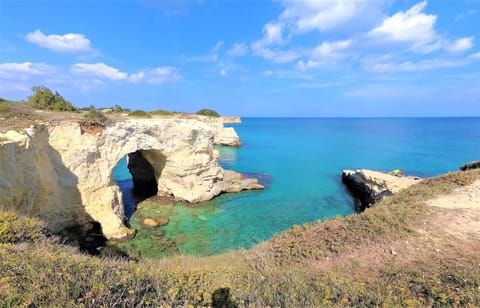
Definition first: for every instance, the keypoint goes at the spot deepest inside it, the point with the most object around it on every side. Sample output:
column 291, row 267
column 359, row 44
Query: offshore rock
column 63, row 174
column 471, row 165
column 369, row 187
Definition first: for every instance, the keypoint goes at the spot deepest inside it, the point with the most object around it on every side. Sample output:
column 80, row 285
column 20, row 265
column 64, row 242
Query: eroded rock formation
column 63, row 174
column 471, row 165
column 369, row 187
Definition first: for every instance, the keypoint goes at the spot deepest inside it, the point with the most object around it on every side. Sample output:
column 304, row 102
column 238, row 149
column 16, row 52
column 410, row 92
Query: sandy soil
column 466, row 197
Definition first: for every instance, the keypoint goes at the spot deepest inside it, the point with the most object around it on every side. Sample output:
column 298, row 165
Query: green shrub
column 15, row 229
column 160, row 112
column 208, row 113
column 96, row 116
column 44, row 99
column 140, row 114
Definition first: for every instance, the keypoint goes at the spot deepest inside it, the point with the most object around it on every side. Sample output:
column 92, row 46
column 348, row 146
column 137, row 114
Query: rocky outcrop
column 368, row 187
column 59, row 170
column 231, row 120
column 223, row 135
column 471, row 165
column 228, row 136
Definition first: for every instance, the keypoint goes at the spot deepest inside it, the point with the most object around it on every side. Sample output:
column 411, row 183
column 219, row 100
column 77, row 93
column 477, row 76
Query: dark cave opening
column 137, row 177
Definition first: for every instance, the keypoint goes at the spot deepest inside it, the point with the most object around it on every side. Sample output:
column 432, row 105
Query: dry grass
column 394, row 254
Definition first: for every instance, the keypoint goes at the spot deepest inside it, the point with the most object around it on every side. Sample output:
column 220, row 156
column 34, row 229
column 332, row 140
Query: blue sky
column 248, row 58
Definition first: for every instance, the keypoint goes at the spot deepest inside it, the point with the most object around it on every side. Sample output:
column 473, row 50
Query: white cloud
column 272, row 34
column 322, row 15
column 325, row 54
column 100, row 70
column 327, row 49
column 460, row 45
column 475, row 55
column 409, row 26
column 238, row 50
column 157, row 75
column 70, row 42
column 223, row 73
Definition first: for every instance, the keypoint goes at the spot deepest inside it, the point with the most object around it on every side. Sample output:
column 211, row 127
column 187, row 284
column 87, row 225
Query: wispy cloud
column 70, row 42
column 423, row 65
column 84, row 76
column 158, row 75
column 238, row 50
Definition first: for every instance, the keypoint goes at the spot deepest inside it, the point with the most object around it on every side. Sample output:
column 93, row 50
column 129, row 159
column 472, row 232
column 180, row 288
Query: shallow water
column 300, row 161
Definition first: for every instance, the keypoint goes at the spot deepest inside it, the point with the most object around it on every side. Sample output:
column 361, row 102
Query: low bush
column 15, row 229
column 208, row 113
column 140, row 114
column 161, row 112
column 96, row 116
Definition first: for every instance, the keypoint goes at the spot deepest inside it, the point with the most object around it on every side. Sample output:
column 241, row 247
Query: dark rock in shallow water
column 471, row 165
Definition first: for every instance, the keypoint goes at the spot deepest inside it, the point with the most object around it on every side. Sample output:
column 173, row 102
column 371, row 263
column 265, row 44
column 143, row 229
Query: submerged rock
column 471, row 165
column 161, row 221
column 369, row 187
column 149, row 223
column 153, row 222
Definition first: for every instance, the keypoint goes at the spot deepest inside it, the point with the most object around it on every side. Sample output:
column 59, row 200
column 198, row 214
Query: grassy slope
column 392, row 254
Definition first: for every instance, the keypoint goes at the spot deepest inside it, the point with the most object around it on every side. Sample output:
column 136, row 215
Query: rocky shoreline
column 369, row 187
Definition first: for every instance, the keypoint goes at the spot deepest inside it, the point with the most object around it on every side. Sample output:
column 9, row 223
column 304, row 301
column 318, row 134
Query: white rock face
column 35, row 182
column 72, row 168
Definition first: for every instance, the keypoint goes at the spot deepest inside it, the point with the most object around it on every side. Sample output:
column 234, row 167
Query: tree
column 44, row 99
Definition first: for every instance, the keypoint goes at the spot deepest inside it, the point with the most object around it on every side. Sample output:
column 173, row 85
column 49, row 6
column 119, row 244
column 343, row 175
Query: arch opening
column 136, row 175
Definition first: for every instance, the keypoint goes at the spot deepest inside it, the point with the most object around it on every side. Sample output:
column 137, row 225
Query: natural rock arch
column 179, row 150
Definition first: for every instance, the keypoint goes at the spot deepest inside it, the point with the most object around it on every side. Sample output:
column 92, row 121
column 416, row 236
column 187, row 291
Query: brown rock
column 160, row 220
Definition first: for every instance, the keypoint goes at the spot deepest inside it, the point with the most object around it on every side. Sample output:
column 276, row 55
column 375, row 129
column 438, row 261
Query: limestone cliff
column 223, row 135
column 368, row 186
column 52, row 170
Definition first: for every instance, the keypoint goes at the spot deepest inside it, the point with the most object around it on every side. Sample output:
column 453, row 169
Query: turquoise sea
column 300, row 161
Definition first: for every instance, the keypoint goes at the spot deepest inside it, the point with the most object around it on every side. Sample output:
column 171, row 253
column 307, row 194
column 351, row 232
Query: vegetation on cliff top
column 43, row 98
column 394, row 254
column 209, row 113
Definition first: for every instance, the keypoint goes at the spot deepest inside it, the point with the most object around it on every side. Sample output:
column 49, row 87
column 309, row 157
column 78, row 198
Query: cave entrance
column 136, row 175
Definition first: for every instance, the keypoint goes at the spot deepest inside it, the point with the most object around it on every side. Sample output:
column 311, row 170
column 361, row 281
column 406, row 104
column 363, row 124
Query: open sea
column 300, row 161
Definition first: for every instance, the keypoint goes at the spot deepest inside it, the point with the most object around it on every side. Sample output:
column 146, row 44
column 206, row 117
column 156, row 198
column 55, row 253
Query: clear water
column 300, row 161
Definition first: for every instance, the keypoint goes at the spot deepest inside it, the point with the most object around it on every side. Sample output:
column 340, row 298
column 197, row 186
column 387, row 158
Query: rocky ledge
column 470, row 166
column 369, row 187
column 62, row 173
